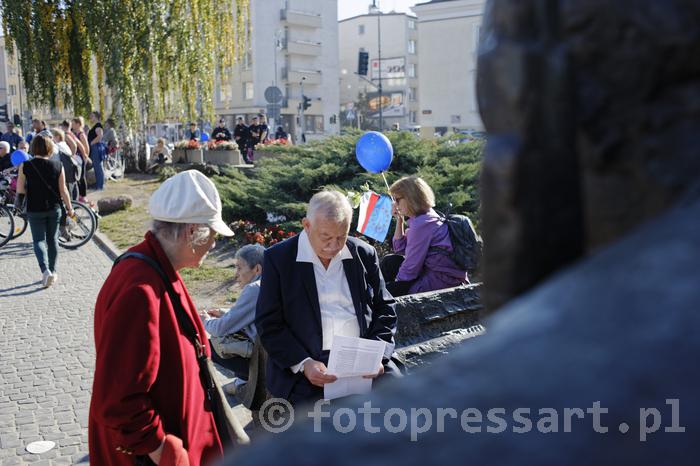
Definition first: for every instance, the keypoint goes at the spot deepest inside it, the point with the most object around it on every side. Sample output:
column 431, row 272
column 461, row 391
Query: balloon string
column 387, row 186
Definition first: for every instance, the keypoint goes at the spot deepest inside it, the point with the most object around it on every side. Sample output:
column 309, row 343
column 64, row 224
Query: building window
column 412, row 94
column 412, row 46
column 313, row 123
column 248, row 90
column 411, row 24
column 412, row 70
column 13, row 89
column 412, row 117
column 361, row 29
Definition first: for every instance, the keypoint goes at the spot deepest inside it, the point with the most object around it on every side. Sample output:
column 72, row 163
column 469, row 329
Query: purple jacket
column 432, row 270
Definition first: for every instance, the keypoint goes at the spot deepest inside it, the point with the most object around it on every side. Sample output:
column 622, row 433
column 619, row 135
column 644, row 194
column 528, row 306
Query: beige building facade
column 448, row 39
column 294, row 43
column 399, row 68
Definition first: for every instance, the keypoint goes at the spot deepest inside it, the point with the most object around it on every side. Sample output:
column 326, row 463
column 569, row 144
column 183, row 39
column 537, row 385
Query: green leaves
column 156, row 57
column 284, row 181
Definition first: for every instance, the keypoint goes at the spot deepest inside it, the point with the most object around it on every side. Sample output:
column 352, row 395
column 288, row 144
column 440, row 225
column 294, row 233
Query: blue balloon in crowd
column 204, row 137
column 374, row 152
column 18, row 157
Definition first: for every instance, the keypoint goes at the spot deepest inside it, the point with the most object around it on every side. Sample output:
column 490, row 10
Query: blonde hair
column 417, row 193
column 58, row 134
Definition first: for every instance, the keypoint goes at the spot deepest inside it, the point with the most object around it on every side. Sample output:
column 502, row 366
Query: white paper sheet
column 350, row 358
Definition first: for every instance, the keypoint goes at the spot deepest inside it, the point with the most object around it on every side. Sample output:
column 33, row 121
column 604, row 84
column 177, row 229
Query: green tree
column 160, row 54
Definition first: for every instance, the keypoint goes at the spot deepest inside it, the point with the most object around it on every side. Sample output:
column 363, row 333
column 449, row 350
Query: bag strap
column 36, row 170
column 183, row 319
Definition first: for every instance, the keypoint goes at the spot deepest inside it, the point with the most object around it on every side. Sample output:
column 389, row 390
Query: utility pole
column 379, row 56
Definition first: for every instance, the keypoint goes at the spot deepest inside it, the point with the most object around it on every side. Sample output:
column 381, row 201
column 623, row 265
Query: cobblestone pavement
column 47, row 352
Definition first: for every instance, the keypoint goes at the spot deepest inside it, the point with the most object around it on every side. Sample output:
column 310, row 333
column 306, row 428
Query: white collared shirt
column 337, row 310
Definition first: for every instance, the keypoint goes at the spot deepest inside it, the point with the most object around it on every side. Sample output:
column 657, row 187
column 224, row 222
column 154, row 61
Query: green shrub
column 282, row 184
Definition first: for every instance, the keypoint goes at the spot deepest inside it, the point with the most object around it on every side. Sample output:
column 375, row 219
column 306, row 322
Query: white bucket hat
column 189, row 197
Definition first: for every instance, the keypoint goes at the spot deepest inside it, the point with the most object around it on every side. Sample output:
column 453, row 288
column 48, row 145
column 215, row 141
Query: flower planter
column 194, row 156
column 179, row 156
column 223, row 157
column 260, row 154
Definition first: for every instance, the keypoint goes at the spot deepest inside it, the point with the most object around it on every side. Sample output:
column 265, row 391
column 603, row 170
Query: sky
column 349, row 8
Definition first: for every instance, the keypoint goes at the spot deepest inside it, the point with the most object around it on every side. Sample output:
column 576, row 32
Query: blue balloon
column 18, row 157
column 374, row 152
column 204, row 137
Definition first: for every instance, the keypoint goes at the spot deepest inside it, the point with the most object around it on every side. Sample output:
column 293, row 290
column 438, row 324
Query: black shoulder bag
column 229, row 428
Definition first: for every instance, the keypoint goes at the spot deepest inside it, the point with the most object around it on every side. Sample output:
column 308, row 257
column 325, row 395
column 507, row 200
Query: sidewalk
column 46, row 352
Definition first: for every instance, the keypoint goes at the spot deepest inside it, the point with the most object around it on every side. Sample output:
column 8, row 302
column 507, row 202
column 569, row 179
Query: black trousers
column 390, row 266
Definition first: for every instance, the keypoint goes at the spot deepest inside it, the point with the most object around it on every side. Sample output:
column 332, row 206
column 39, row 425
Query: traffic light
column 306, row 102
column 363, row 63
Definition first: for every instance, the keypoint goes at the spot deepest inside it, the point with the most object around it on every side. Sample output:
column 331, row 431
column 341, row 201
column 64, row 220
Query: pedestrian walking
column 149, row 403
column 44, row 183
column 98, row 150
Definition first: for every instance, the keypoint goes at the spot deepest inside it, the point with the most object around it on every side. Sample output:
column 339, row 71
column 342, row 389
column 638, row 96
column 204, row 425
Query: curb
column 106, row 245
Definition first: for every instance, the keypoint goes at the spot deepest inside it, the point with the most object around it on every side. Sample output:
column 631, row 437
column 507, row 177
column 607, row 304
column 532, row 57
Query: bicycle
column 8, row 181
column 7, row 225
column 78, row 229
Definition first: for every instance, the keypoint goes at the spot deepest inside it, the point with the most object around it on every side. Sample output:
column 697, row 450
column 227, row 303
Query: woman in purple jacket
column 420, row 263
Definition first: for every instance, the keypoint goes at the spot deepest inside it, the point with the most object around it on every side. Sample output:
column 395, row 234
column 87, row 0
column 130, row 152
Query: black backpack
column 467, row 245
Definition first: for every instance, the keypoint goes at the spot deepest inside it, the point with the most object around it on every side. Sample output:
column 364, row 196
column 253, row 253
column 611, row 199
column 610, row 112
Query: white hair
column 5, row 145
column 252, row 254
column 330, row 205
column 173, row 232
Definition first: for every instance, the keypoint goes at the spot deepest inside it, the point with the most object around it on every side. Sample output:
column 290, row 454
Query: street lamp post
column 379, row 59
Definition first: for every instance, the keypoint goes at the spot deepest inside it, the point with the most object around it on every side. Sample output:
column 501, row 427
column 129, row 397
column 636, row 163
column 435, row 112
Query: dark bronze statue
column 591, row 223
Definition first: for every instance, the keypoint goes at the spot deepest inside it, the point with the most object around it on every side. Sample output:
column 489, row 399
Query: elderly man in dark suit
column 315, row 286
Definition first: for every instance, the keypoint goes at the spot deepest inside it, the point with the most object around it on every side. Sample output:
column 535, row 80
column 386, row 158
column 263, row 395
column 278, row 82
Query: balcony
column 301, row 18
column 296, row 75
column 302, row 47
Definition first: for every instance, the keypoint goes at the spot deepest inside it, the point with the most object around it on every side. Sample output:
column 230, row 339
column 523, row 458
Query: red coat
column 146, row 374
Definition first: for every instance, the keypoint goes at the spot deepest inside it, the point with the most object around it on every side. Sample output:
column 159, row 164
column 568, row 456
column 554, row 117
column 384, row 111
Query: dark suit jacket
column 288, row 315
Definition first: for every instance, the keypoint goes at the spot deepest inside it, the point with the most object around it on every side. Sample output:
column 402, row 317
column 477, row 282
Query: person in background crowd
column 98, row 149
column 241, row 134
column 263, row 129
column 83, row 150
column 5, row 159
column 44, row 183
column 281, row 133
column 71, row 167
column 109, row 137
column 254, row 139
column 193, row 133
column 221, row 133
column 159, row 156
column 239, row 320
column 148, row 402
column 69, row 139
column 11, row 136
column 419, row 265
column 37, row 127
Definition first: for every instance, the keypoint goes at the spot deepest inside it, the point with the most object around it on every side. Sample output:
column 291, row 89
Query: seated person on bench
column 233, row 332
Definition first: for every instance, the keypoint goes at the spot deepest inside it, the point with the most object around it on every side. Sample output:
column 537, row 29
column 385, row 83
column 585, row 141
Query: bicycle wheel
column 78, row 230
column 20, row 221
column 7, row 225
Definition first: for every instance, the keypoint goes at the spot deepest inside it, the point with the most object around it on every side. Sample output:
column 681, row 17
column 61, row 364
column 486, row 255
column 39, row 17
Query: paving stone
column 46, row 352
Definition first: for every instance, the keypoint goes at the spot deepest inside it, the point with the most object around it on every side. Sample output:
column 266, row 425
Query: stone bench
column 429, row 324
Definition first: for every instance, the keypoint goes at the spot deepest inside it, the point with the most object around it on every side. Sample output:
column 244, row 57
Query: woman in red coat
column 147, row 400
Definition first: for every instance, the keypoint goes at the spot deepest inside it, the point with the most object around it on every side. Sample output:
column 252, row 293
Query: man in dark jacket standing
column 315, row 286
column 241, row 134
